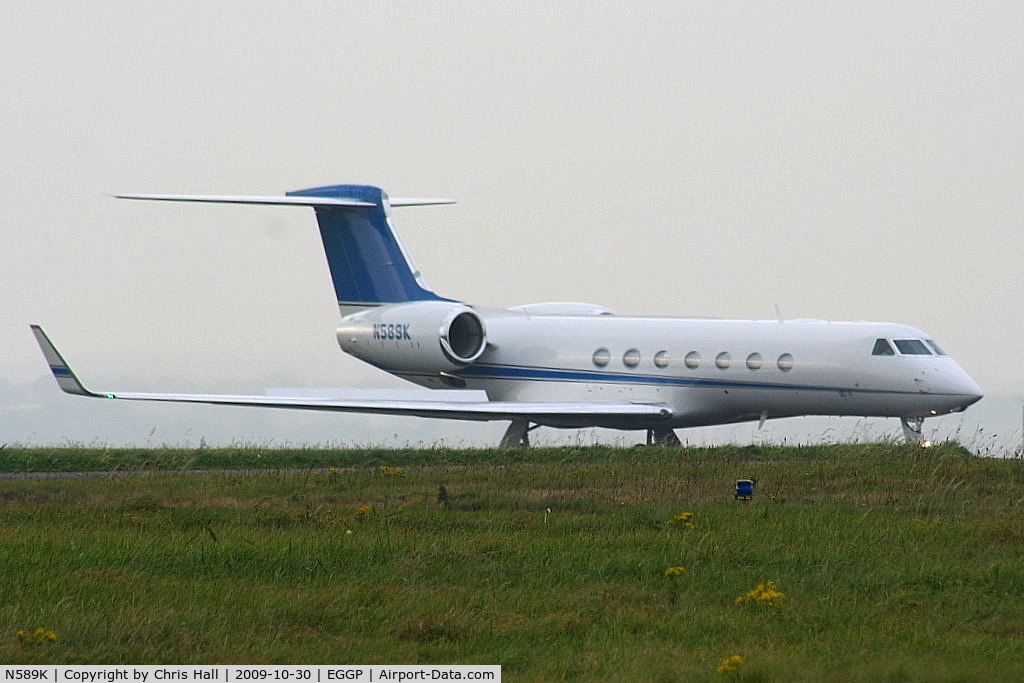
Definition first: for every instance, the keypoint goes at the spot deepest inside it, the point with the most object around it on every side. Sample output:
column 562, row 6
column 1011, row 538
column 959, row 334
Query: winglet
column 62, row 372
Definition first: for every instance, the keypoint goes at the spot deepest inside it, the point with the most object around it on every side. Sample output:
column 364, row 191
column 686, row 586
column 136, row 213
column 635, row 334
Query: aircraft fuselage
column 709, row 371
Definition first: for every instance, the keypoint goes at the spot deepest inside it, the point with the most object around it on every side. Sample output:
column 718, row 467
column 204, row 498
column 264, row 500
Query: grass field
column 862, row 562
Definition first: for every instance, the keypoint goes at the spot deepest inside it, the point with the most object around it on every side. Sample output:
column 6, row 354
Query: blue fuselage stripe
column 508, row 372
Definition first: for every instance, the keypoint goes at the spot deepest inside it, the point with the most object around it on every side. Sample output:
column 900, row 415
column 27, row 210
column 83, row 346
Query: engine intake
column 422, row 336
column 463, row 340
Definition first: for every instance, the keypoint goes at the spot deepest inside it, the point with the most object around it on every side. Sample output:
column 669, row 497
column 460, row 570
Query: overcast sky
column 852, row 161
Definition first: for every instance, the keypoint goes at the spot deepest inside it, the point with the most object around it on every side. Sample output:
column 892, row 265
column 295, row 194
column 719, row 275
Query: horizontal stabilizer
column 288, row 200
column 395, row 201
column 238, row 199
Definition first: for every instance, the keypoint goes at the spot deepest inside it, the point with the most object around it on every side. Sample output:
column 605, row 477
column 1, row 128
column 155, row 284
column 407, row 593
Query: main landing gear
column 517, row 435
column 663, row 437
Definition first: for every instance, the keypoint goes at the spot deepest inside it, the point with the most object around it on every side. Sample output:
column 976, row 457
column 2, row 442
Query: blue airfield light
column 744, row 489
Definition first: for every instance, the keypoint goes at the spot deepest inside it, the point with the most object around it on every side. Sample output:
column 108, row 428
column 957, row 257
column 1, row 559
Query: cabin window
column 912, row 347
column 785, row 362
column 754, row 361
column 882, row 348
column 602, row 357
column 661, row 359
column 692, row 360
column 631, row 358
column 723, row 360
column 935, row 347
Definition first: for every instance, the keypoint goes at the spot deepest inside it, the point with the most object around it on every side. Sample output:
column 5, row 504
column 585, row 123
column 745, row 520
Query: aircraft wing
column 450, row 404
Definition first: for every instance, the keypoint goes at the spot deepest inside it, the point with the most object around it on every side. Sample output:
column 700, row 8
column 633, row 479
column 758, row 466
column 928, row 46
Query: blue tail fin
column 369, row 264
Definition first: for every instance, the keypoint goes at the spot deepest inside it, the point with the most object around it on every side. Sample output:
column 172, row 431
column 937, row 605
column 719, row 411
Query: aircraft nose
column 966, row 391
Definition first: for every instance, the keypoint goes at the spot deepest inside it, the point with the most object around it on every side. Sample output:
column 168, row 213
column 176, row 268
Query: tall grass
column 895, row 563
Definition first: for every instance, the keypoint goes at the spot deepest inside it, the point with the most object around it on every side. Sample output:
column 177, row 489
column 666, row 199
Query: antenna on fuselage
column 778, row 314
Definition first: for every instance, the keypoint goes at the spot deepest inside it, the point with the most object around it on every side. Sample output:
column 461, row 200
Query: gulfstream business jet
column 574, row 365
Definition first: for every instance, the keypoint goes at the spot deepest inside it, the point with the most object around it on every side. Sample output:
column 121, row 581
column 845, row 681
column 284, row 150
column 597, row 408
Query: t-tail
column 368, row 262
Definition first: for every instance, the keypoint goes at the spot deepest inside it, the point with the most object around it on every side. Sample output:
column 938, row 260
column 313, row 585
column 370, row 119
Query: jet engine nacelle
column 420, row 336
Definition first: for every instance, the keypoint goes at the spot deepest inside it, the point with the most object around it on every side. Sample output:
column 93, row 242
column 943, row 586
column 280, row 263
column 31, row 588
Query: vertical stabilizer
column 368, row 262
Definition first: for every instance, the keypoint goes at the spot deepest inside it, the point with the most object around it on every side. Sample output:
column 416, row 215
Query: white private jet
column 574, row 365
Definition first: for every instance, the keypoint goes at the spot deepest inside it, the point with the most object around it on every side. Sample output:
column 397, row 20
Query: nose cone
column 963, row 390
column 973, row 394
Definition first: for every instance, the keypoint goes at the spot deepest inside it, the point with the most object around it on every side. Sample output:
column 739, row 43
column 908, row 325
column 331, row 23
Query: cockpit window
column 882, row 348
column 912, row 347
column 935, row 347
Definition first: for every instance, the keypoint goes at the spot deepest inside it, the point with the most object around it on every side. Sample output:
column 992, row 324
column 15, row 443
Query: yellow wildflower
column 40, row 635
column 364, row 511
column 683, row 518
column 674, row 571
column 391, row 471
column 729, row 664
column 766, row 594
